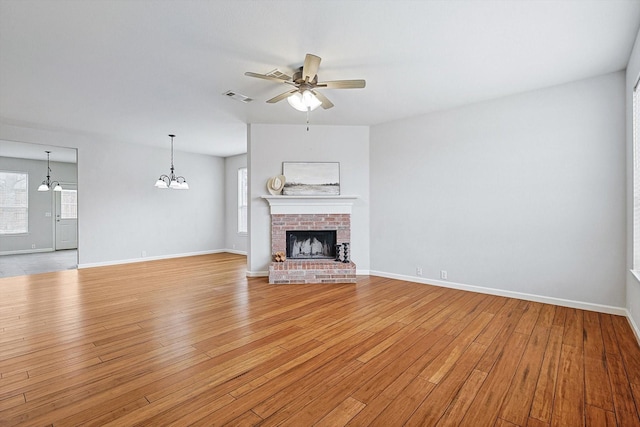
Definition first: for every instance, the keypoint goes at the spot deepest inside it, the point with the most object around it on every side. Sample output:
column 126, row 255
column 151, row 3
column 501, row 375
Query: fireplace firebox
column 311, row 244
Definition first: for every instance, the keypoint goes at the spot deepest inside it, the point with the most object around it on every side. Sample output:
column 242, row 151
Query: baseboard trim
column 620, row 311
column 150, row 258
column 235, row 251
column 27, row 251
column 257, row 273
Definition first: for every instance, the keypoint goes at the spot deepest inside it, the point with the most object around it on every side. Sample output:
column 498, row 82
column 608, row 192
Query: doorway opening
column 49, row 239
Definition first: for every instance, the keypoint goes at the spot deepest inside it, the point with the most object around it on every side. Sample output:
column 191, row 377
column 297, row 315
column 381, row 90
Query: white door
column 67, row 218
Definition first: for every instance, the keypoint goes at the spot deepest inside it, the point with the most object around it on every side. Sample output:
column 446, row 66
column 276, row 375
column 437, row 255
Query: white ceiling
column 135, row 71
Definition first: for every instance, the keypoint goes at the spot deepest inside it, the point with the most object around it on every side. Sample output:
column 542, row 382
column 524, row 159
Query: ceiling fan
column 305, row 97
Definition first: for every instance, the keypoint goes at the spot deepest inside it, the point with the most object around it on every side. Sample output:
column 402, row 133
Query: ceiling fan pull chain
column 308, row 111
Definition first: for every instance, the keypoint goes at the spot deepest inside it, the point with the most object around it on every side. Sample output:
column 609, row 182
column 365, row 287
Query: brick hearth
column 312, row 272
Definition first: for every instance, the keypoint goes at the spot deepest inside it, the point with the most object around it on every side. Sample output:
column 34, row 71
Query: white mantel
column 310, row 204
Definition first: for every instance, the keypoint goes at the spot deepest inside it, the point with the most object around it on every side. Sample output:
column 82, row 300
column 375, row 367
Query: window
column 636, row 177
column 69, row 204
column 14, row 202
column 242, row 200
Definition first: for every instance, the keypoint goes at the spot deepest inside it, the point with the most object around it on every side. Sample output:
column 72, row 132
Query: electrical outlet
column 33, row 246
column 143, row 254
column 418, row 271
column 443, row 274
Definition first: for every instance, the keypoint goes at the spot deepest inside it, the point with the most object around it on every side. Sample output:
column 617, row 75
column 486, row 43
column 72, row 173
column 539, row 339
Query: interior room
column 49, row 240
column 487, row 199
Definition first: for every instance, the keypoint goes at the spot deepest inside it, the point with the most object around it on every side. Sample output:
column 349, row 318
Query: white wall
column 633, row 285
column 40, row 234
column 522, row 194
column 270, row 145
column 234, row 242
column 121, row 214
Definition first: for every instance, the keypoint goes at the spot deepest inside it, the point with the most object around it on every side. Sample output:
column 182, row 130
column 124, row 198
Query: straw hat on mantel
column 276, row 184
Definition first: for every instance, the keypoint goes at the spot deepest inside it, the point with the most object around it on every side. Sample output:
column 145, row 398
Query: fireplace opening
column 311, row 244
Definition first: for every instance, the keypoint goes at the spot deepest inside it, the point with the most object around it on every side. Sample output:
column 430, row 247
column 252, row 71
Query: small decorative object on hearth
column 279, row 256
column 346, row 252
column 338, row 247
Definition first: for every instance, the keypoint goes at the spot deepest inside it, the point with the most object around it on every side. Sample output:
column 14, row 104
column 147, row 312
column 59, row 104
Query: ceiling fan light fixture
column 305, row 101
column 305, row 80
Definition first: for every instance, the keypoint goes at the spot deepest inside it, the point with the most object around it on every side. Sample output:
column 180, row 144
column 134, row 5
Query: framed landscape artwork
column 311, row 178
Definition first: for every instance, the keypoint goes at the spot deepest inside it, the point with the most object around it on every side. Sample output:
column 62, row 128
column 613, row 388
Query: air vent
column 238, row 96
column 278, row 74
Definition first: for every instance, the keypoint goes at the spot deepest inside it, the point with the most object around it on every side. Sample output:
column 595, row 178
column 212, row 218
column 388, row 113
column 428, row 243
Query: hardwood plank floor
column 192, row 341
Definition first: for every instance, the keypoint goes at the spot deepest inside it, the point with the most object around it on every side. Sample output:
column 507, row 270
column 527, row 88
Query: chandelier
column 171, row 180
column 47, row 183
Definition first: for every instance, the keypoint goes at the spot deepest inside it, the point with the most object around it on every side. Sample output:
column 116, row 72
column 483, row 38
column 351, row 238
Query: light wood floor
column 191, row 341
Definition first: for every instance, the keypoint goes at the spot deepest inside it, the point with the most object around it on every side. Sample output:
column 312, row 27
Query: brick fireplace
column 310, row 214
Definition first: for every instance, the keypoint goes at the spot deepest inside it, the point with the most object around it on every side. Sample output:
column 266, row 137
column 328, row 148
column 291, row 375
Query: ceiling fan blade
column 326, row 104
column 310, row 67
column 281, row 96
column 343, row 84
column 265, row 77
